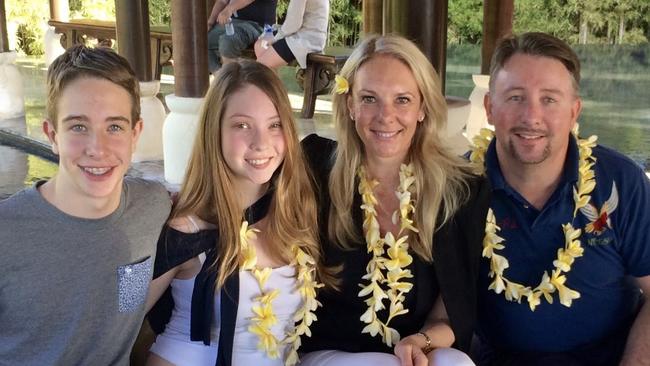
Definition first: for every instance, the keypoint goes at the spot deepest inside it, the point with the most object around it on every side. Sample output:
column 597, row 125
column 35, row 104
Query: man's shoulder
column 616, row 164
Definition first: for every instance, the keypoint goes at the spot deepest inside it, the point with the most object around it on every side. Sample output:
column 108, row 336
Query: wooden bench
column 315, row 80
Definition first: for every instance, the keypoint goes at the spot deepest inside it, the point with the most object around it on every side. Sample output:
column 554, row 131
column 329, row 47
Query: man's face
column 93, row 138
column 533, row 107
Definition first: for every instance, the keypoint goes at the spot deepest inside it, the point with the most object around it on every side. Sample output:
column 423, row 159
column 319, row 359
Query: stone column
column 134, row 43
column 189, row 40
column 59, row 10
column 12, row 97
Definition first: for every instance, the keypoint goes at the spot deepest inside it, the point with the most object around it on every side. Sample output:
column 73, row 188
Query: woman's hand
column 409, row 351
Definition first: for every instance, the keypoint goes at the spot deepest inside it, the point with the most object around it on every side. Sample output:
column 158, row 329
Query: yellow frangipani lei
column 264, row 317
column 387, row 271
column 566, row 255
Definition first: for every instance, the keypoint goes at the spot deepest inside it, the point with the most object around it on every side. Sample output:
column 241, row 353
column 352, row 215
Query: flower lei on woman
column 265, row 317
column 572, row 249
column 388, row 271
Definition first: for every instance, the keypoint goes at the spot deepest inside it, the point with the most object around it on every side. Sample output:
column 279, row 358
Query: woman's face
column 386, row 106
column 252, row 139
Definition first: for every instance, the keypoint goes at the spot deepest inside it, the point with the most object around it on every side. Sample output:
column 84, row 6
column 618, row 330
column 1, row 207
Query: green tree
column 465, row 21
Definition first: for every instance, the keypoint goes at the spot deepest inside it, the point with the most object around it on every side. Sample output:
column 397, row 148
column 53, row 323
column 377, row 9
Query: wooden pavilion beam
column 372, row 16
column 59, row 10
column 190, row 44
column 4, row 38
column 497, row 22
column 133, row 42
column 427, row 26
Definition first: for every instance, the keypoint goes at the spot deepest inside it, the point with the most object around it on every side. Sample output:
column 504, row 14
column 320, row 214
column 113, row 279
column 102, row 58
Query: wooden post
column 190, row 44
column 427, row 26
column 372, row 16
column 497, row 22
column 4, row 38
column 133, row 42
column 59, row 10
column 396, row 16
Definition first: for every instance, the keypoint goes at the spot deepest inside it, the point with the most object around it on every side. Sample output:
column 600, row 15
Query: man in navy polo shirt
column 566, row 266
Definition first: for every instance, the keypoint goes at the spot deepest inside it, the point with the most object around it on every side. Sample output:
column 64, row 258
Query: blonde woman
column 403, row 215
column 248, row 207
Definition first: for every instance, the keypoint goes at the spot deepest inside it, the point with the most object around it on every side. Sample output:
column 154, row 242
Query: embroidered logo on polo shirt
column 600, row 219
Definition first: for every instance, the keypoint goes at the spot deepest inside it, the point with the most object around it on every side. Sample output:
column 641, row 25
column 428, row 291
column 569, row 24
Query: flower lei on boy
column 572, row 249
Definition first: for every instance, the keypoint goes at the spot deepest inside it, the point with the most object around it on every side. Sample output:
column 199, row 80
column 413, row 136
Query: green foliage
column 160, row 12
column 345, row 22
column 465, row 21
column 31, row 19
column 92, row 9
column 599, row 20
column 30, row 39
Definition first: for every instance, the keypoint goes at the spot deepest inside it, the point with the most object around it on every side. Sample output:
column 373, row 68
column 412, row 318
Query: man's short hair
column 80, row 61
column 535, row 44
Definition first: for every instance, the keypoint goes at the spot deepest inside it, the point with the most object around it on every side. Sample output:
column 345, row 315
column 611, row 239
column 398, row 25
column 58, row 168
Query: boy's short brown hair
column 102, row 63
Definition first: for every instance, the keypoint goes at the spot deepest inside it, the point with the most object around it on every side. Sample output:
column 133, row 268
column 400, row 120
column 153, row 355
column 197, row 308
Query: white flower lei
column 381, row 270
column 265, row 317
column 492, row 242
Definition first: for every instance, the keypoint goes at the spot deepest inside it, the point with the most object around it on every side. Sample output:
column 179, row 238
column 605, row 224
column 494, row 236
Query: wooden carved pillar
column 133, row 42
column 427, row 26
column 497, row 22
column 190, row 44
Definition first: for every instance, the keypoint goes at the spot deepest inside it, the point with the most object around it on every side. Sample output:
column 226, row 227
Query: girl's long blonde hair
column 208, row 190
column 440, row 175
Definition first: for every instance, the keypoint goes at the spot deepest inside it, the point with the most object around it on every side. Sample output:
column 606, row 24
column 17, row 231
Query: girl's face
column 252, row 139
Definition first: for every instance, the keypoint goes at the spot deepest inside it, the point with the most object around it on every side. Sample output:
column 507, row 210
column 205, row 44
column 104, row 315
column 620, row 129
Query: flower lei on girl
column 265, row 317
column 572, row 249
column 388, row 271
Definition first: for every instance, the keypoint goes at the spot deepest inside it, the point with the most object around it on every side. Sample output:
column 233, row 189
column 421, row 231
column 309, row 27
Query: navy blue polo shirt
column 603, row 275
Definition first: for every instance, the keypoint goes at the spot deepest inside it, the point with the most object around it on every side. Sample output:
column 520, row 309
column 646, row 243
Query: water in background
column 615, row 89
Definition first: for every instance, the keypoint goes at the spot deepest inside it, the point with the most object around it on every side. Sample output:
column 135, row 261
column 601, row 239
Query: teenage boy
column 78, row 249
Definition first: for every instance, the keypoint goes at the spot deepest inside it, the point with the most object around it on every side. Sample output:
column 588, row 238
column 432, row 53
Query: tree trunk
column 621, row 27
column 584, row 30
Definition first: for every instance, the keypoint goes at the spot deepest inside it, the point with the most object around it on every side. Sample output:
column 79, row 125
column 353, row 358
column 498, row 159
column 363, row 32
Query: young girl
column 250, row 294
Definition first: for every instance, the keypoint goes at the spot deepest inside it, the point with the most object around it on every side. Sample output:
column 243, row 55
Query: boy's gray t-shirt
column 72, row 290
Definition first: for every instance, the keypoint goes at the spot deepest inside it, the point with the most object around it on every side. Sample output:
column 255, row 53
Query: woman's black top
column 453, row 273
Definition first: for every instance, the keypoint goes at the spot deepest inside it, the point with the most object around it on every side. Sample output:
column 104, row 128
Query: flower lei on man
column 387, row 271
column 572, row 249
column 265, row 317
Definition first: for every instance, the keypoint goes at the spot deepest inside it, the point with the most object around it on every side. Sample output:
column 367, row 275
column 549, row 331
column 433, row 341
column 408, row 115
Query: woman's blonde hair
column 440, row 175
column 209, row 192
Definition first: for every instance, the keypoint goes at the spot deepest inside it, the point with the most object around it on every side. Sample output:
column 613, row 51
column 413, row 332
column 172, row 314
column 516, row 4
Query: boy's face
column 93, row 138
